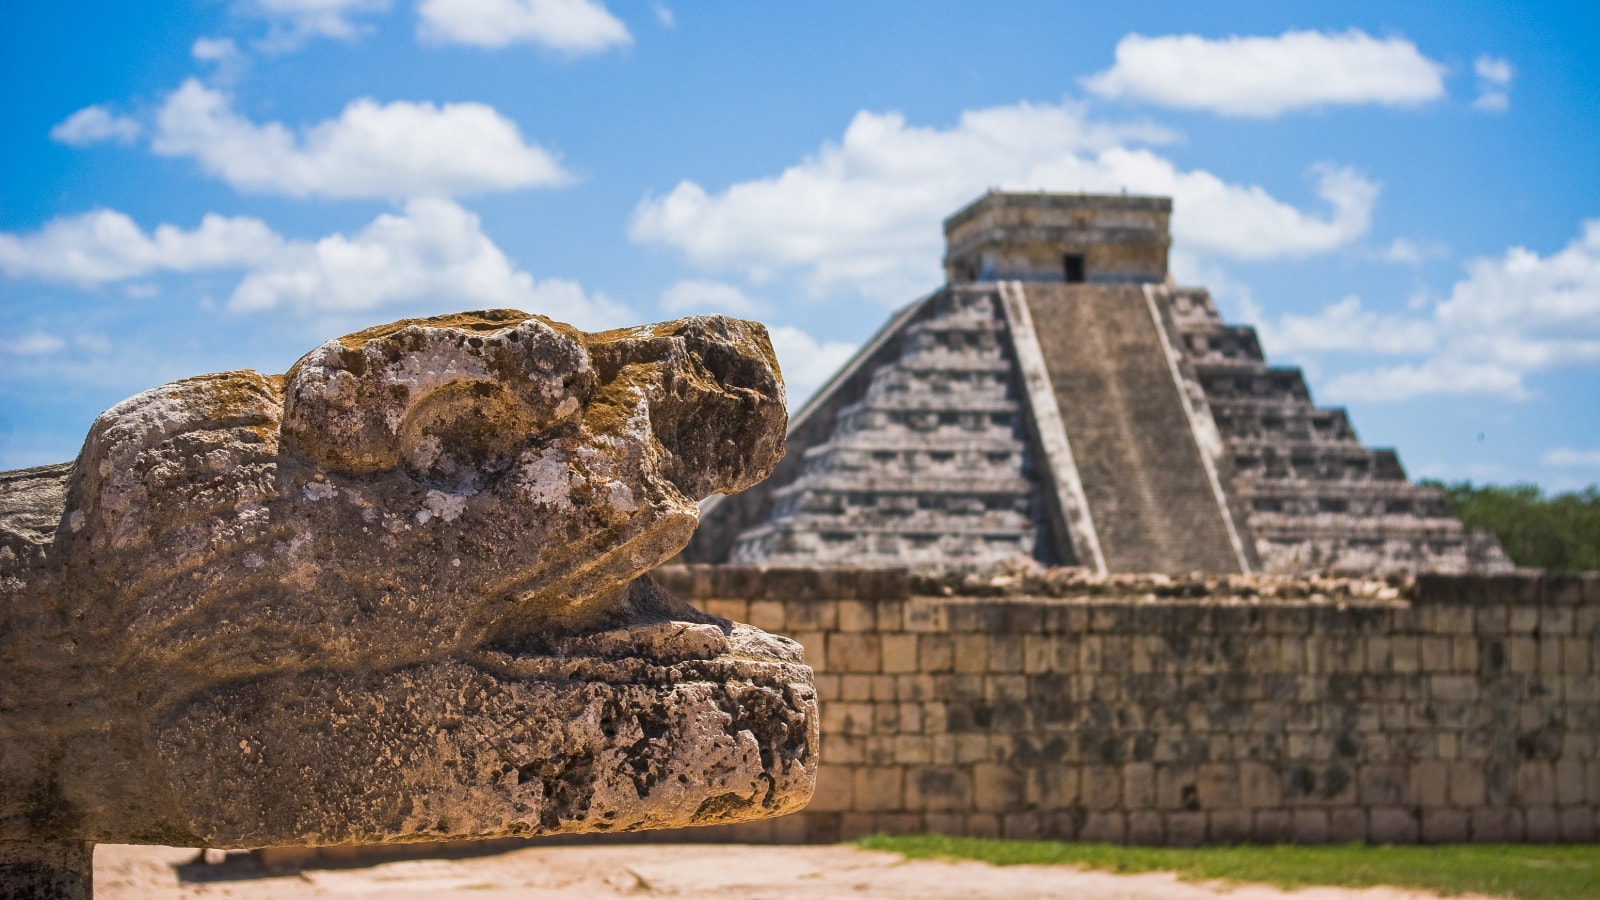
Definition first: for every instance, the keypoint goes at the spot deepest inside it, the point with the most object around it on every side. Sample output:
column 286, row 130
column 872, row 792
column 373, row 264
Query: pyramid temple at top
column 1061, row 399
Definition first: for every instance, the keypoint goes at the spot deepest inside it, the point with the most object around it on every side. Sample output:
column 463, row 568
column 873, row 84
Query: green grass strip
column 1525, row 871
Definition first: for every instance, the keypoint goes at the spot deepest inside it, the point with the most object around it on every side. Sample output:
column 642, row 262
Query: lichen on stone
column 399, row 593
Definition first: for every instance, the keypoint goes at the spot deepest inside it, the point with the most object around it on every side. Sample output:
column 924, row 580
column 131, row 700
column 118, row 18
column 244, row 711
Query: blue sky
column 1405, row 199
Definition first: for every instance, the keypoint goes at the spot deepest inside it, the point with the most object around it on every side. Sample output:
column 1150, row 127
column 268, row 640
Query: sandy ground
column 661, row 870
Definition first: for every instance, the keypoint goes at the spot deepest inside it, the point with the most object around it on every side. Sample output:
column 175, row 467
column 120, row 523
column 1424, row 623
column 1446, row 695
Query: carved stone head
column 399, row 593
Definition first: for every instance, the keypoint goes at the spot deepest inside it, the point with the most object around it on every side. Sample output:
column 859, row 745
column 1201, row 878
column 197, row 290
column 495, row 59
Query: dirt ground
column 660, row 870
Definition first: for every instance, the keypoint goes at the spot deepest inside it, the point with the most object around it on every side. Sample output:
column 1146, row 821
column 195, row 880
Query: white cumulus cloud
column 33, row 343
column 105, row 245
column 228, row 62
column 1568, row 457
column 1510, row 317
column 1413, row 253
column 433, row 250
column 291, row 22
column 709, row 296
column 806, row 362
column 570, row 26
column 1346, row 326
column 863, row 213
column 1268, row 76
column 397, row 149
column 94, row 124
column 1494, row 83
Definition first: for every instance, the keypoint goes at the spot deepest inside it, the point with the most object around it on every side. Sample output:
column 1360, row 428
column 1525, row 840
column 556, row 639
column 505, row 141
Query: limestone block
column 1005, row 653
column 853, row 652
column 1577, row 655
column 1101, row 787
column 1138, row 786
column 1273, row 826
column 1496, row 824
column 1569, row 775
column 857, row 615
column 983, row 825
column 1493, row 621
column 854, row 826
column 1522, row 656
column 1393, row 825
column 399, row 593
column 1578, row 824
column 1038, row 653
column 890, row 614
column 855, row 688
column 972, row 748
column 1218, row 786
column 1022, row 826
column 1535, row 784
column 935, row 653
column 939, row 788
column 1435, row 653
column 1146, row 826
column 1429, row 782
column 1543, row 824
column 1346, row 825
column 1103, row 828
column 835, row 791
column 1405, row 654
column 1556, row 620
column 899, row 653
column 1260, row 786
column 1524, row 619
column 1186, row 829
column 996, row 787
column 768, row 615
column 914, row 688
column 1444, row 826
column 879, row 788
column 1006, row 688
column 971, row 653
column 1466, row 785
column 913, row 749
column 1310, row 826
column 1549, row 655
column 884, row 687
column 1229, row 826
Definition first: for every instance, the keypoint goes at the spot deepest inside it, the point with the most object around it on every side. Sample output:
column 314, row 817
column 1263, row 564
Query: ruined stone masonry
column 1061, row 400
column 398, row 594
column 1180, row 711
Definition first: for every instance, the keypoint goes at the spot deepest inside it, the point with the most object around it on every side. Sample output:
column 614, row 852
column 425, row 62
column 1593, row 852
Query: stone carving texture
column 397, row 594
column 929, row 468
column 1317, row 499
column 924, row 452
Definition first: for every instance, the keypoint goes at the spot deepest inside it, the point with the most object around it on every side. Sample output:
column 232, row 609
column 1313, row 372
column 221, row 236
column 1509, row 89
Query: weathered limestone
column 1317, row 500
column 1060, row 399
column 929, row 466
column 399, row 593
column 1177, row 709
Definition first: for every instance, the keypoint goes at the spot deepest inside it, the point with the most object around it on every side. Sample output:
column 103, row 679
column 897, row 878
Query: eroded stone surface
column 399, row 594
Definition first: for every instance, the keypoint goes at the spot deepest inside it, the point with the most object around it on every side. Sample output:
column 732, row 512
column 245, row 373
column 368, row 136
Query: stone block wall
column 1169, row 712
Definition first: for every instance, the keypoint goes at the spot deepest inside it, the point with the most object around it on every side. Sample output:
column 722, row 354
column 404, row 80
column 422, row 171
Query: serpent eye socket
column 462, row 436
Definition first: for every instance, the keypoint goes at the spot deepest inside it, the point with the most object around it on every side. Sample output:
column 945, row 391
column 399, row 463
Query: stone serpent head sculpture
column 398, row 593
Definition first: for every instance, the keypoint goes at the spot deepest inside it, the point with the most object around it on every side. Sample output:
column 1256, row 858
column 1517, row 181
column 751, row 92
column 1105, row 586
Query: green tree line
column 1559, row 532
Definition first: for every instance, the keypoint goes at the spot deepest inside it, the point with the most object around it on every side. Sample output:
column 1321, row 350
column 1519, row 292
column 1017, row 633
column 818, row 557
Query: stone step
column 1152, row 503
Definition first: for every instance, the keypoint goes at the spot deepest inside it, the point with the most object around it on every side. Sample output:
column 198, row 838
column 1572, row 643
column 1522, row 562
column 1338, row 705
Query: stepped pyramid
column 1060, row 399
